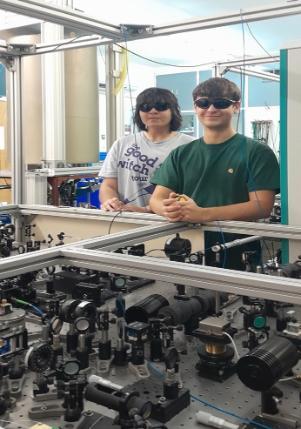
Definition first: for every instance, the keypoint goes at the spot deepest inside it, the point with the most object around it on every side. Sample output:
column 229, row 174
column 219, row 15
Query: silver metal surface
column 80, row 21
column 15, row 265
column 236, row 282
column 52, row 172
column 78, row 212
column 14, row 91
column 258, row 14
column 268, row 230
column 257, row 73
column 63, row 16
column 249, row 61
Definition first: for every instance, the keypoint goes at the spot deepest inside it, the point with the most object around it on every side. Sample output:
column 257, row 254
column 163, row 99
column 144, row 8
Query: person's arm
column 108, row 194
column 157, row 201
column 259, row 206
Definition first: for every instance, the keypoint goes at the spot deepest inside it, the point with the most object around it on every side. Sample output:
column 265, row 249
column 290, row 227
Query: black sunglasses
column 218, row 103
column 160, row 107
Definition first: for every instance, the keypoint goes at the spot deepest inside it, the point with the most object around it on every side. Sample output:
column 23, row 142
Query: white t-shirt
column 133, row 159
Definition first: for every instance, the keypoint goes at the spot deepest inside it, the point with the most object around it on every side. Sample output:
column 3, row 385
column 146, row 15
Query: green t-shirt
column 219, row 174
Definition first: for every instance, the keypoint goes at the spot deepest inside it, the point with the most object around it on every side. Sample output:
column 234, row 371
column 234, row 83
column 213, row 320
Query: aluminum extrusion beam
column 120, row 239
column 258, row 14
column 85, row 23
column 10, row 208
column 77, row 212
column 236, row 282
column 268, row 230
column 62, row 16
column 249, row 61
column 257, row 73
column 82, row 42
column 33, row 261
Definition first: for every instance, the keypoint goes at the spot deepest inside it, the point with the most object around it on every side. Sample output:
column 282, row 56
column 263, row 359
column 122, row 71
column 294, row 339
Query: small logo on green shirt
column 230, row 170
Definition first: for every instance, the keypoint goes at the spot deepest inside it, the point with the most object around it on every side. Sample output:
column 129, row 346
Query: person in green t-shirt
column 221, row 176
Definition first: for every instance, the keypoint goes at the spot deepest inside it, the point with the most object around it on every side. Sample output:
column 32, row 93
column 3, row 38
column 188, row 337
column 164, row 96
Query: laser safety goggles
column 218, row 103
column 159, row 106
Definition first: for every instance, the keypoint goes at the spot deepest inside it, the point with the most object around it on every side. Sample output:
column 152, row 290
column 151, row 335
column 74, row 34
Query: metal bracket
column 18, row 49
column 46, row 410
column 8, row 61
column 16, row 386
column 136, row 29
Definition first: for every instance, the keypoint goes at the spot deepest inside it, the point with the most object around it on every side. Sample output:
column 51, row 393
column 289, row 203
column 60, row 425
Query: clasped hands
column 177, row 208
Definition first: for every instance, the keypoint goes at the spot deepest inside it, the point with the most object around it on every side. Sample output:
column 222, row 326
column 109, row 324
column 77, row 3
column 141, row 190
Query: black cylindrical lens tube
column 266, row 364
column 145, row 309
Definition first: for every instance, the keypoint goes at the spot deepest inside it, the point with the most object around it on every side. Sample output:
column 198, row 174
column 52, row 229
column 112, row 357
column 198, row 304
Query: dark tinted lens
column 160, row 107
column 222, row 103
column 202, row 103
column 218, row 103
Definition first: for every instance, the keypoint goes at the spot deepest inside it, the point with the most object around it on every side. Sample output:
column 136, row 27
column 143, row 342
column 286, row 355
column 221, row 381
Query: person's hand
column 113, row 205
column 134, row 208
column 172, row 208
column 181, row 208
column 191, row 212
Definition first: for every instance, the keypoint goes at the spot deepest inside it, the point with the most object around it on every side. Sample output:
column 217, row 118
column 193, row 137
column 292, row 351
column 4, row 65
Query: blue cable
column 37, row 309
column 208, row 404
column 229, row 413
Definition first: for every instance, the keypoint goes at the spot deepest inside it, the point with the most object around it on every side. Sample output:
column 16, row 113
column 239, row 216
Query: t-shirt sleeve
column 263, row 169
column 109, row 166
column 167, row 174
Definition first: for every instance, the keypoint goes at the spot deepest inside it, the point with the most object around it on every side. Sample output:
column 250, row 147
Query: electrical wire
column 154, row 250
column 233, row 344
column 257, row 41
column 28, row 304
column 163, row 63
column 159, row 374
column 112, row 221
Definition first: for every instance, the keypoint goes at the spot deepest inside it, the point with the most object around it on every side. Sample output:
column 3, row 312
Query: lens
column 159, row 106
column 202, row 103
column 222, row 103
column 218, row 103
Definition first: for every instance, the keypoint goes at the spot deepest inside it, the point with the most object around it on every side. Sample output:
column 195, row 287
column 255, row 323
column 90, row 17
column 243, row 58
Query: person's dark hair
column 154, row 95
column 217, row 87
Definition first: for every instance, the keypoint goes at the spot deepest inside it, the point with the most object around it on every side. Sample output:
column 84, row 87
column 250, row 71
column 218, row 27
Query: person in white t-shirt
column 133, row 159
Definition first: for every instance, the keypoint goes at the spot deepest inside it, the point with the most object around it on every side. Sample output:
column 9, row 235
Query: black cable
column 162, row 63
column 112, row 221
column 154, row 250
column 257, row 41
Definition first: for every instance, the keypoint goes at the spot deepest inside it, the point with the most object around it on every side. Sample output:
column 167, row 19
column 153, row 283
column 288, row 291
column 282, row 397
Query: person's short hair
column 217, row 87
column 161, row 95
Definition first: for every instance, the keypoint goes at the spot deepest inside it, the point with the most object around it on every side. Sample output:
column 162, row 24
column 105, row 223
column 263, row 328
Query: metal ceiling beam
column 82, row 22
column 62, row 16
column 67, row 44
column 249, row 61
column 258, row 14
column 251, row 72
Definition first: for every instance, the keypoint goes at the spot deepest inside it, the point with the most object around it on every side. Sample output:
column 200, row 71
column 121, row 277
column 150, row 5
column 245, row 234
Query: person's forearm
column 156, row 206
column 250, row 210
column 106, row 193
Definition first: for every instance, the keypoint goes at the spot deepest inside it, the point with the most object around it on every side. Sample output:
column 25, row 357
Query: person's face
column 216, row 113
column 156, row 115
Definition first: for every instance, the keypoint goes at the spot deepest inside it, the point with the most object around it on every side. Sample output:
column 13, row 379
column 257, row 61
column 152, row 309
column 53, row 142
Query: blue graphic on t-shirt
column 147, row 190
column 138, row 162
